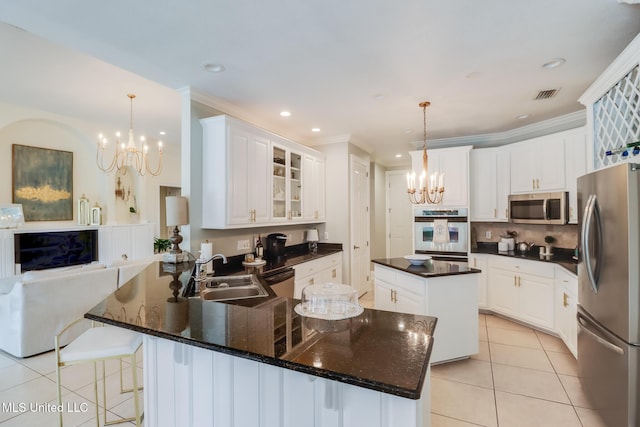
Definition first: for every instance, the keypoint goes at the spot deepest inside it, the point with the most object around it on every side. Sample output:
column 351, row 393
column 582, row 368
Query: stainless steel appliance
column 441, row 232
column 609, row 292
column 281, row 282
column 539, row 208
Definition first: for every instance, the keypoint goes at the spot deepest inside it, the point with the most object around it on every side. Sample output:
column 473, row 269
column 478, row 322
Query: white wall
column 41, row 129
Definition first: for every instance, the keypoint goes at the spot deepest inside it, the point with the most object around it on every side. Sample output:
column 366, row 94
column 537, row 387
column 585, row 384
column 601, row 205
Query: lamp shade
column 176, row 210
column 312, row 235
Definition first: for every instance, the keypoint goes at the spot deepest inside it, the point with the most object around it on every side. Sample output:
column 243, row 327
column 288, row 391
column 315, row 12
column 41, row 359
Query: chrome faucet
column 201, row 266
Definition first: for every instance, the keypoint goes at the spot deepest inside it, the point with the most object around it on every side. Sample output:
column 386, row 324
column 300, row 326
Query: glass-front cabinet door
column 287, row 184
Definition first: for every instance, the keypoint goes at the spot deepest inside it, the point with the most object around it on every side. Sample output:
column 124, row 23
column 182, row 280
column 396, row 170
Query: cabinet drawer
column 312, row 267
column 523, row 266
column 567, row 279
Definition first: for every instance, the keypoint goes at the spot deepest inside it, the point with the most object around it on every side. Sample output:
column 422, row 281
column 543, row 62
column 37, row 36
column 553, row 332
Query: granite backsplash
column 566, row 235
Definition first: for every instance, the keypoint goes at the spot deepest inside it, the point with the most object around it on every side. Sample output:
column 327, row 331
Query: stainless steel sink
column 225, row 288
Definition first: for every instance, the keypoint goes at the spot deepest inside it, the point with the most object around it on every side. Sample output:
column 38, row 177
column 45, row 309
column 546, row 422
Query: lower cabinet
column 522, row 289
column 566, row 307
column 321, row 270
column 135, row 241
column 479, row 261
column 452, row 299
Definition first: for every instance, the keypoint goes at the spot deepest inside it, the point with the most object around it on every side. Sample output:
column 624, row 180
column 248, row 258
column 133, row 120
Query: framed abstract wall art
column 43, row 183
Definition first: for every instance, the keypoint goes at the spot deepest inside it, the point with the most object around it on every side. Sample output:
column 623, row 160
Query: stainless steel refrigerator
column 609, row 292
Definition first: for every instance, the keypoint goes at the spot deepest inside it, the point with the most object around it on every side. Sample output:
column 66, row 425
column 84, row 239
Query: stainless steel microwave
column 539, row 208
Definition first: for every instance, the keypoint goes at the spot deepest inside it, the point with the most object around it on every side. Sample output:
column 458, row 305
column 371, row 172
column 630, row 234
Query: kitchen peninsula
column 260, row 363
column 447, row 290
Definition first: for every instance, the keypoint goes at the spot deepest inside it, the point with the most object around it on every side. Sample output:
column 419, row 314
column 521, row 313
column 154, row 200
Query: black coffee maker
column 275, row 248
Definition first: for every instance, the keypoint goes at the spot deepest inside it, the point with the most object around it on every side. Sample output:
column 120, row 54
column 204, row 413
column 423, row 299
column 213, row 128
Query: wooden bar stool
column 98, row 344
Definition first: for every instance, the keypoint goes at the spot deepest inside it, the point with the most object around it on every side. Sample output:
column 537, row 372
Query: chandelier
column 429, row 192
column 128, row 155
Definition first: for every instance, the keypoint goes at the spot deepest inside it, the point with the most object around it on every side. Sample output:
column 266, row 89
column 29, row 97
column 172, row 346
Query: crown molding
column 625, row 62
column 546, row 127
column 230, row 109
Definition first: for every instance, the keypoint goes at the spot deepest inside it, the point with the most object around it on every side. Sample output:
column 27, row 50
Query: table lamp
column 176, row 214
column 312, row 238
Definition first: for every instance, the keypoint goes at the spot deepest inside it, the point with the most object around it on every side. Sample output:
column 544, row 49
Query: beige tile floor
column 520, row 378
column 32, row 381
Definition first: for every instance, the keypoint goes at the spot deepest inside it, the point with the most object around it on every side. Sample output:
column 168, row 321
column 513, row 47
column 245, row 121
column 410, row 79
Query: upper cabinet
column 538, row 164
column 454, row 164
column 489, row 183
column 252, row 178
column 313, row 187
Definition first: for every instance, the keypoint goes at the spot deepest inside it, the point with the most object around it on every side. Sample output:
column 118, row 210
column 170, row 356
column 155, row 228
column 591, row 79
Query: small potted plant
column 160, row 245
column 548, row 240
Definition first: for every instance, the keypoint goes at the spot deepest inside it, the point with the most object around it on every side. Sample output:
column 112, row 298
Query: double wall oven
column 442, row 233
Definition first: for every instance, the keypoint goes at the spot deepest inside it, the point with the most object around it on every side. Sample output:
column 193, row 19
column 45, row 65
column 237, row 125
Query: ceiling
column 355, row 69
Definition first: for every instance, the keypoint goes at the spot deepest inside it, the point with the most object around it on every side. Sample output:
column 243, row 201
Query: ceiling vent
column 546, row 94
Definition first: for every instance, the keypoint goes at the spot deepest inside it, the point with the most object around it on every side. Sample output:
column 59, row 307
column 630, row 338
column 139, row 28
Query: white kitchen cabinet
column 490, row 184
column 321, row 270
column 566, row 300
column 575, row 148
column 452, row 299
column 135, row 241
column 313, row 188
column 403, row 294
column 454, row 164
column 236, row 167
column 522, row 289
column 253, row 178
column 287, row 182
column 479, row 261
column 538, row 164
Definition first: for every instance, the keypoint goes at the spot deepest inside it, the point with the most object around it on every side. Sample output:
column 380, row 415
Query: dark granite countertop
column 294, row 255
column 379, row 350
column 430, row 268
column 561, row 256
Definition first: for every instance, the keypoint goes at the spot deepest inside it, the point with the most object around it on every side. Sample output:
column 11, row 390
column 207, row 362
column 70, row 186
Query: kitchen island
column 260, row 363
column 444, row 289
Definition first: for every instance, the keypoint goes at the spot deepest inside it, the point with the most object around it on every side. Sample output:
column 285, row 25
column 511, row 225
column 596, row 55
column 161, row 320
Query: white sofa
column 36, row 305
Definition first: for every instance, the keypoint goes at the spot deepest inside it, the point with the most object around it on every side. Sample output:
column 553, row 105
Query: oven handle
column 432, row 218
column 278, row 277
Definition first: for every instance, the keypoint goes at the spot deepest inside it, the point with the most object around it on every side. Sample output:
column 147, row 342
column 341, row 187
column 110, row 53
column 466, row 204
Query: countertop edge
column 316, row 372
column 425, row 275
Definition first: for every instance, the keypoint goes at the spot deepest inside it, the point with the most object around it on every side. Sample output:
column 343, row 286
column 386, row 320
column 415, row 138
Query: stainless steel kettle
column 525, row 246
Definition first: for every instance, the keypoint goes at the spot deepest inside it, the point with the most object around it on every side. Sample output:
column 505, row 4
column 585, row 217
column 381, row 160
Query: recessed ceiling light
column 285, row 113
column 315, row 130
column 162, row 132
column 522, row 116
column 556, row 62
column 213, row 68
column 398, row 156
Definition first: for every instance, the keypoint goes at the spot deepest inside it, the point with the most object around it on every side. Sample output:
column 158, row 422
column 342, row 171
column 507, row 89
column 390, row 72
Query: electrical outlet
column 243, row 244
column 487, row 234
column 326, row 235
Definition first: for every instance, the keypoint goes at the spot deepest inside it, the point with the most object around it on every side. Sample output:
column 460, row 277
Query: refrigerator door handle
column 598, row 334
column 545, row 210
column 591, row 212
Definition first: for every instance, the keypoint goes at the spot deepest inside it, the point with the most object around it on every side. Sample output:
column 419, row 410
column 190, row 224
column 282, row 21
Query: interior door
column 359, row 189
column 399, row 216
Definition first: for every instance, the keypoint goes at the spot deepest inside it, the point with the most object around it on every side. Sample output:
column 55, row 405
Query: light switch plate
column 243, row 244
column 487, row 234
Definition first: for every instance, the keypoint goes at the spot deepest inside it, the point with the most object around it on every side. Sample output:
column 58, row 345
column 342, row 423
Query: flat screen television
column 53, row 249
